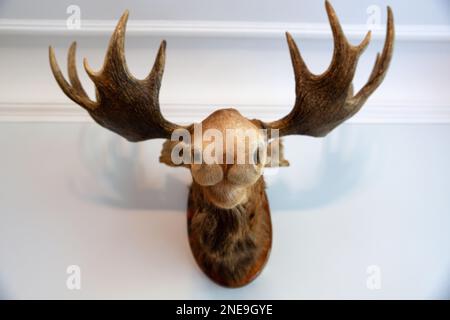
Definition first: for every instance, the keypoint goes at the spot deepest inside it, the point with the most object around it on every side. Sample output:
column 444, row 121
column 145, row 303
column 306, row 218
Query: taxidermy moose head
column 228, row 213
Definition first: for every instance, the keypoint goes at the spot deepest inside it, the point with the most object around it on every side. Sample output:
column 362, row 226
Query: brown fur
column 230, row 245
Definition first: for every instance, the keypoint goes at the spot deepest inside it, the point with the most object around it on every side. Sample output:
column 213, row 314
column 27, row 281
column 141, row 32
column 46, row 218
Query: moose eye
column 257, row 156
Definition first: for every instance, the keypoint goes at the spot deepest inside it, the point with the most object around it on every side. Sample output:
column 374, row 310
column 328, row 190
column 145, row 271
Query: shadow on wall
column 3, row 293
column 444, row 291
column 129, row 175
column 342, row 164
column 125, row 175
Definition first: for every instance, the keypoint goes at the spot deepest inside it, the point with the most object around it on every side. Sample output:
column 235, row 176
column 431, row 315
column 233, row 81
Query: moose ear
column 173, row 153
column 275, row 154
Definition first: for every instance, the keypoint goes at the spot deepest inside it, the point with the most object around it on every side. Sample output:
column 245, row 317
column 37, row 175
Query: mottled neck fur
column 228, row 242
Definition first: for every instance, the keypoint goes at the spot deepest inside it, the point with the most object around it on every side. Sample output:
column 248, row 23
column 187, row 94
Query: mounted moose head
column 228, row 216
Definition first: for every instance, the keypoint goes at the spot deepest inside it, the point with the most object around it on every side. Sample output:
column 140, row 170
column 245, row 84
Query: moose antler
column 125, row 105
column 325, row 101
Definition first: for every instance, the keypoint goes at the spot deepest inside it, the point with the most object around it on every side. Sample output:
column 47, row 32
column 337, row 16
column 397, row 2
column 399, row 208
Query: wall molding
column 183, row 28
column 374, row 112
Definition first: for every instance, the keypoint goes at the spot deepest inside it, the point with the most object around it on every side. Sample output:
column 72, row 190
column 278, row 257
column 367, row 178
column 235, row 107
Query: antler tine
column 115, row 56
column 342, row 48
column 341, row 44
column 75, row 92
column 156, row 74
column 340, row 41
column 300, row 68
column 345, row 56
column 115, row 62
column 382, row 62
column 364, row 43
column 72, row 70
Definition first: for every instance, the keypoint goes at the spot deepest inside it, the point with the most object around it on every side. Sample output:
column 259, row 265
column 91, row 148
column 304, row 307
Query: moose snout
column 233, row 174
column 243, row 174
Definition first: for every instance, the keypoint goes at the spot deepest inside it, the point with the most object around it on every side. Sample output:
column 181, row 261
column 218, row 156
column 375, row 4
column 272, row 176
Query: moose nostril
column 225, row 168
column 207, row 174
column 243, row 174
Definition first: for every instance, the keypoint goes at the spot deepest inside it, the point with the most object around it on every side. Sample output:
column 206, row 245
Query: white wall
column 408, row 12
column 375, row 192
